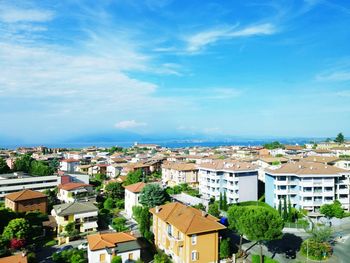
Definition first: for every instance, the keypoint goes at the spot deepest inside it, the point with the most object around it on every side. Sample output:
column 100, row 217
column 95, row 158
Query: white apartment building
column 308, row 185
column 238, row 179
column 74, row 191
column 69, row 165
column 132, row 194
column 15, row 182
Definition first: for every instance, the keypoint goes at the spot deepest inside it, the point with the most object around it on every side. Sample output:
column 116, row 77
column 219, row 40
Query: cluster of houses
column 308, row 176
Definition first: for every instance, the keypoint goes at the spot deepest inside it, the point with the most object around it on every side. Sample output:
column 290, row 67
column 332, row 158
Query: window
column 102, row 257
column 194, row 255
column 194, row 239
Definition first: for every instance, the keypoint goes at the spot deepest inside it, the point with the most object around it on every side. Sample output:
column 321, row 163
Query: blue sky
column 218, row 68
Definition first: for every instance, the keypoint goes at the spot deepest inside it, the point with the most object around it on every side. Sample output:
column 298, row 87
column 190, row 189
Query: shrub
column 316, row 250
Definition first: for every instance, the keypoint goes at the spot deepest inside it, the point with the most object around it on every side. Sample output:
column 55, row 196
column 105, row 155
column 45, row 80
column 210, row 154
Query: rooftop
column 24, row 195
column 108, row 240
column 135, row 188
column 74, row 208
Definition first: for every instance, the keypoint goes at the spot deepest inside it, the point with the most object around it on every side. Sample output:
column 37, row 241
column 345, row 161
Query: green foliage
column 39, row 168
column 114, row 149
column 117, row 259
column 70, row 230
column 6, row 216
column 118, row 224
column 214, row 209
column 120, row 204
column 3, row 166
column 178, row 189
column 100, row 177
column 332, row 210
column 144, row 221
column 109, row 203
column 152, row 195
column 280, row 207
column 115, row 190
column 136, row 212
column 104, row 217
column 279, row 155
column 290, row 211
column 16, row 228
column 316, row 250
column 31, row 257
column 276, row 163
column 51, row 198
column 225, row 250
column 340, row 138
column 200, row 206
column 321, row 234
column 23, row 163
column 70, row 256
column 256, row 259
column 273, row 145
column 285, row 211
column 161, row 257
column 224, row 202
column 134, row 177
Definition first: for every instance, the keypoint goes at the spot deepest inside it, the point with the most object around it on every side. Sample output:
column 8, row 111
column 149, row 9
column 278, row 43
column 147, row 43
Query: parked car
column 64, row 248
column 290, row 253
column 83, row 245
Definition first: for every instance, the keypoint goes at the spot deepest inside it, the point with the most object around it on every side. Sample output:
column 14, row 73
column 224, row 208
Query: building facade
column 26, row 201
column 10, row 183
column 239, row 180
column 132, row 194
column 186, row 234
column 179, row 173
column 103, row 247
column 308, row 185
column 74, row 192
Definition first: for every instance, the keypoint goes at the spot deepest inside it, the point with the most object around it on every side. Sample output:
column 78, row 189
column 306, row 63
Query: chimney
column 24, row 253
column 157, row 209
column 204, row 214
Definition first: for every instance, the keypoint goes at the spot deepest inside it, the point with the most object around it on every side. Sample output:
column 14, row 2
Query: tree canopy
column 3, row 166
column 134, row 177
column 23, row 163
column 340, row 138
column 273, row 145
column 16, row 228
column 114, row 190
column 332, row 210
column 152, row 195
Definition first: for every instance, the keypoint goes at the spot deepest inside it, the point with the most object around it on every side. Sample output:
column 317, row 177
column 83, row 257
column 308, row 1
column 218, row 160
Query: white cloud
column 10, row 14
column 198, row 41
column 334, row 76
column 129, row 124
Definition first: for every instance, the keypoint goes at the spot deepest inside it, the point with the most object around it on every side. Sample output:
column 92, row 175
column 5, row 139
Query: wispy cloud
column 334, row 76
column 200, row 40
column 129, row 124
column 13, row 14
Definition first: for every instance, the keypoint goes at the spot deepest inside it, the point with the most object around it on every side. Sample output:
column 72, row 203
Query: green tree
column 70, row 230
column 117, row 259
column 200, row 206
column 54, row 164
column 285, row 209
column 3, row 166
column 6, row 216
column 290, row 211
column 225, row 250
column 109, row 203
column 152, row 195
column 39, row 168
column 262, row 224
column 118, row 224
column 23, row 163
column 273, row 145
column 136, row 213
column 161, row 257
column 279, row 207
column 214, row 209
column 16, row 228
column 145, row 222
column 73, row 255
column 224, row 202
column 321, row 234
column 51, row 198
column 115, row 190
column 340, row 138
column 332, row 210
column 220, row 201
column 134, row 177
column 236, row 218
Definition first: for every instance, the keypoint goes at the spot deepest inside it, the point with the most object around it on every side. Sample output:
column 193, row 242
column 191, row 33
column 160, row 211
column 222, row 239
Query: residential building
column 26, row 201
column 14, row 182
column 73, row 192
column 17, row 258
column 174, row 173
column 83, row 215
column 239, row 180
column 185, row 233
column 103, row 247
column 132, row 194
column 307, row 185
column 69, row 165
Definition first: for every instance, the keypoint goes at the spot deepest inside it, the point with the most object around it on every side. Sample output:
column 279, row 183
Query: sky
column 174, row 68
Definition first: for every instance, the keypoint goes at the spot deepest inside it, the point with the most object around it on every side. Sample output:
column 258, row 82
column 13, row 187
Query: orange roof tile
column 110, row 240
column 71, row 186
column 187, row 219
column 135, row 188
column 18, row 258
column 71, row 160
column 25, row 195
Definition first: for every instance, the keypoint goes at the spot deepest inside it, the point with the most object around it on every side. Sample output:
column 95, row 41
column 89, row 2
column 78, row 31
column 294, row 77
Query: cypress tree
column 220, row 202
column 279, row 207
column 290, row 212
column 285, row 212
column 224, row 202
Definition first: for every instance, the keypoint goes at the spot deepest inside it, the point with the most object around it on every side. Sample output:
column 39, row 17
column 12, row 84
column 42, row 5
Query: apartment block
column 238, row 179
column 308, row 185
column 186, row 234
column 10, row 183
column 174, row 173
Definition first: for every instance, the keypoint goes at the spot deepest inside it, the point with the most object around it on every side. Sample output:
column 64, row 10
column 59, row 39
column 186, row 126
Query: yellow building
column 186, row 234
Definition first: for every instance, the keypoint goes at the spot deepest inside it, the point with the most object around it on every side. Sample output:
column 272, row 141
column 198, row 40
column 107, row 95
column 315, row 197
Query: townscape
column 148, row 203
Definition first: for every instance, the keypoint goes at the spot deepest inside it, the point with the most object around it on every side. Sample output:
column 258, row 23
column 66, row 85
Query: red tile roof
column 71, row 186
column 135, row 188
column 25, row 195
